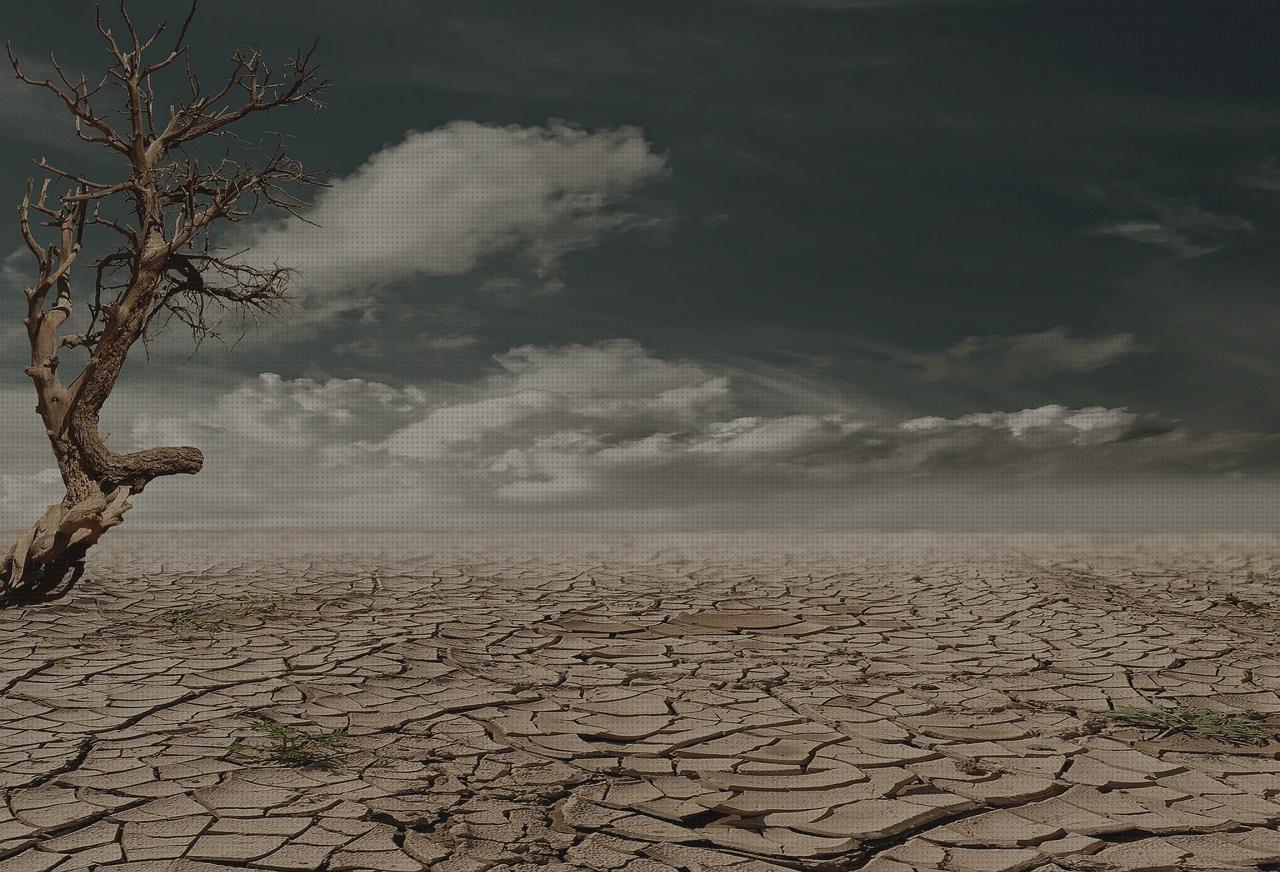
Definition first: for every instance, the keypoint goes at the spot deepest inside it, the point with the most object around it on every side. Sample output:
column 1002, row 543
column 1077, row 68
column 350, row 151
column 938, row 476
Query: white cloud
column 294, row 415
column 26, row 496
column 23, row 445
column 439, row 202
column 1266, row 177
column 470, row 422
column 1179, row 227
column 15, row 266
column 615, row 386
column 1155, row 233
column 1095, row 425
column 1021, row 357
column 600, row 432
column 615, row 369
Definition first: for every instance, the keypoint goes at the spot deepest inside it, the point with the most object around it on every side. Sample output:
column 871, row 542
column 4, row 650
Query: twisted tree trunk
column 98, row 482
column 165, row 264
column 52, row 552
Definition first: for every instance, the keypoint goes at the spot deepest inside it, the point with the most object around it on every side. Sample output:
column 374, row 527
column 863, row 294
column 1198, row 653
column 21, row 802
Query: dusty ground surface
column 739, row 703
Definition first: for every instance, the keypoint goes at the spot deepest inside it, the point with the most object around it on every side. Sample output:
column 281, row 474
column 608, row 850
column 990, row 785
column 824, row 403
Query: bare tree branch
column 178, row 44
column 78, row 103
column 165, row 267
column 203, row 116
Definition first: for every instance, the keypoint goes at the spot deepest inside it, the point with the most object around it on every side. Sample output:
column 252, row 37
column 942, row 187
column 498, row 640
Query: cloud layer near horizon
column 610, row 433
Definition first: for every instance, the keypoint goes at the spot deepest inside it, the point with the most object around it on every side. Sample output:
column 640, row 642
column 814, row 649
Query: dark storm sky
column 899, row 208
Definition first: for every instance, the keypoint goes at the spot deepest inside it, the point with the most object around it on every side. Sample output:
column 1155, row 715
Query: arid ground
column 746, row 702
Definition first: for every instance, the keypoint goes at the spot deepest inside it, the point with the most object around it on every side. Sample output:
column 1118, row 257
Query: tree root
column 52, row 551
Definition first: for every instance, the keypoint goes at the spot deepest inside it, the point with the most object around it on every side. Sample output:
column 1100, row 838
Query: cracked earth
column 730, row 704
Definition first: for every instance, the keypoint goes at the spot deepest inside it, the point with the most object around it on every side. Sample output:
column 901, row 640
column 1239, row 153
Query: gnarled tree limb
column 165, row 266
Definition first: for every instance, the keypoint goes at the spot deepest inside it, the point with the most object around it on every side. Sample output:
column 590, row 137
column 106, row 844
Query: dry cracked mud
column 727, row 703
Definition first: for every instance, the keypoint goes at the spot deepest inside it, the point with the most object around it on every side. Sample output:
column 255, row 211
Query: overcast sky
column 840, row 263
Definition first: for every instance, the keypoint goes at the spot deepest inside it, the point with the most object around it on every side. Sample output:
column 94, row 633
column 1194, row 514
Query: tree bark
column 51, row 553
column 98, row 481
column 123, row 328
column 166, row 263
column 98, row 488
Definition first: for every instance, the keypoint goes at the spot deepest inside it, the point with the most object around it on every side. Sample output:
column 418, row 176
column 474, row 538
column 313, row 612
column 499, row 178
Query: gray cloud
column 1265, row 177
column 1179, row 227
column 905, row 205
column 24, row 446
column 1155, row 233
column 440, row 201
column 27, row 495
column 453, row 342
column 607, row 429
column 1022, row 357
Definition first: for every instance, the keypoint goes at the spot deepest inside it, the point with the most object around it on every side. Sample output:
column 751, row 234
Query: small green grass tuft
column 1233, row 729
column 214, row 616
column 289, row 746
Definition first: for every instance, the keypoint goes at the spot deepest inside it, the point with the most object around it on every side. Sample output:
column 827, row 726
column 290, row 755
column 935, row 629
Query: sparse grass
column 1233, row 729
column 1272, row 578
column 214, row 616
column 289, row 746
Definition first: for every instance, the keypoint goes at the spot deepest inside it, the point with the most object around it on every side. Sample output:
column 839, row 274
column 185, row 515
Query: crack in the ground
column 471, row 708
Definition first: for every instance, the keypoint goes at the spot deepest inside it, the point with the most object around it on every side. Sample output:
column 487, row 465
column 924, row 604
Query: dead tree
column 185, row 171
